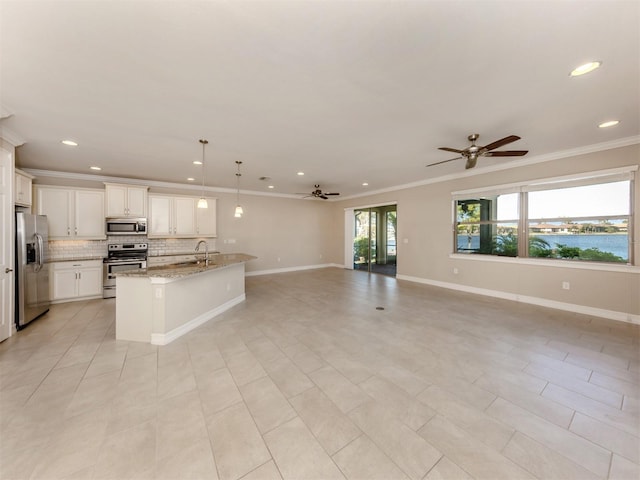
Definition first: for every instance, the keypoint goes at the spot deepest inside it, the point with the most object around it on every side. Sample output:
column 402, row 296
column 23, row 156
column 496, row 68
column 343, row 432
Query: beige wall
column 281, row 232
column 425, row 221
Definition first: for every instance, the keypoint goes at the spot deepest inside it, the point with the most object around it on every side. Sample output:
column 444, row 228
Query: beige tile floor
column 307, row 380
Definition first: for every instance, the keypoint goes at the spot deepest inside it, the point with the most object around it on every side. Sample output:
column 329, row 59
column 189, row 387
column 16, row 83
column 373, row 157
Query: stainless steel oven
column 121, row 257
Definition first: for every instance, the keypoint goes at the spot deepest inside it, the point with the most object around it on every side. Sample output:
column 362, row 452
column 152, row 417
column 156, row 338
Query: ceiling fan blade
column 331, row 194
column 323, row 197
column 447, row 149
column 499, row 143
column 444, row 161
column 507, row 153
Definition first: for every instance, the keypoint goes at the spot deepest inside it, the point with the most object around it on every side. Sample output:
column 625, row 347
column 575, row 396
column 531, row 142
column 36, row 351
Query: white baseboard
column 166, row 338
column 291, row 269
column 543, row 302
column 75, row 299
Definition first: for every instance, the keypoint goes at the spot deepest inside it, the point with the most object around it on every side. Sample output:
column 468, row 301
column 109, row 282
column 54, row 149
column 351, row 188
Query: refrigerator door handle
column 39, row 253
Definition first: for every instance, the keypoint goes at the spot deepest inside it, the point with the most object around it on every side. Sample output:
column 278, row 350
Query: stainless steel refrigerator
column 32, row 275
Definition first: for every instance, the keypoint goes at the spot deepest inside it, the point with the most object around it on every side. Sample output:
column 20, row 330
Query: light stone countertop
column 75, row 259
column 184, row 269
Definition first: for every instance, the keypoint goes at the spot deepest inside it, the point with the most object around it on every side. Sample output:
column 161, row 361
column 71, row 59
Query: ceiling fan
column 317, row 193
column 473, row 152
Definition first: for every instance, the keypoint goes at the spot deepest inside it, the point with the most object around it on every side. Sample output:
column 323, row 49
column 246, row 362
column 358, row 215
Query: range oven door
column 109, row 270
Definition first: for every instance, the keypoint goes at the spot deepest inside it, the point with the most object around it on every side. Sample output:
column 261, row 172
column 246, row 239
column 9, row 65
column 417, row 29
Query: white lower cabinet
column 75, row 280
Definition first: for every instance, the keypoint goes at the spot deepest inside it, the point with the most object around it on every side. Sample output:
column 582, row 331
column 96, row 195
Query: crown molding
column 5, row 112
column 598, row 147
column 148, row 183
column 10, row 136
column 572, row 152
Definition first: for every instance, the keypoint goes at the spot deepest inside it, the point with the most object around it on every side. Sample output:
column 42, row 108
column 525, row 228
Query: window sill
column 580, row 265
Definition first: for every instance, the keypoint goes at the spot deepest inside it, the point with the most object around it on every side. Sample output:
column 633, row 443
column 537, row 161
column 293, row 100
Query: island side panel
column 197, row 298
column 133, row 309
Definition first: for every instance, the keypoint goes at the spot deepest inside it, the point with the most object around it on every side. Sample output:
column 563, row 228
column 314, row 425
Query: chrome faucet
column 206, row 250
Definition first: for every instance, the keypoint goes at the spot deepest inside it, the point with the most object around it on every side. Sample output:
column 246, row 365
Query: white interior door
column 7, row 284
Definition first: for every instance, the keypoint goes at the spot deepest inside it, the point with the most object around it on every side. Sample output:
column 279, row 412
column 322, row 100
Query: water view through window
column 584, row 222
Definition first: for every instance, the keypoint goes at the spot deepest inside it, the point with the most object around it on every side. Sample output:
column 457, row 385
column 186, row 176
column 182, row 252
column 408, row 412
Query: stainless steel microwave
column 126, row 226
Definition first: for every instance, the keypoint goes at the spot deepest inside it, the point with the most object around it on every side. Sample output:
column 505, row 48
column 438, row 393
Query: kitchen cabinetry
column 178, row 216
column 125, row 200
column 73, row 214
column 22, row 188
column 206, row 220
column 75, row 280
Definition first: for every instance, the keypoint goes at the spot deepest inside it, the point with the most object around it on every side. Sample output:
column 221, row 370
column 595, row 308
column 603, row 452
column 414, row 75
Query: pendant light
column 202, row 203
column 239, row 212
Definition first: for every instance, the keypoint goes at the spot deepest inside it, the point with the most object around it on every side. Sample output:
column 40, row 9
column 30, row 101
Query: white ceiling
column 346, row 91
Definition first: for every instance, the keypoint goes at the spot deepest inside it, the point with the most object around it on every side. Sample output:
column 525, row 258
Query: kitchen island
column 159, row 304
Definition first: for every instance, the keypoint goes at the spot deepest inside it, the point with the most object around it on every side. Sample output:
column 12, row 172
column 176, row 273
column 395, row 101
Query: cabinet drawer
column 70, row 265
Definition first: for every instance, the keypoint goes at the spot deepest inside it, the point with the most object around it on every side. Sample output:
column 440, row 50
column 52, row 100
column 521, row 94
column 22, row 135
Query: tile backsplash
column 70, row 249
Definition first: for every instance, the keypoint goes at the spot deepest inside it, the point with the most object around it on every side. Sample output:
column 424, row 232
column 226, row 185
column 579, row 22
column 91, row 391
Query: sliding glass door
column 374, row 243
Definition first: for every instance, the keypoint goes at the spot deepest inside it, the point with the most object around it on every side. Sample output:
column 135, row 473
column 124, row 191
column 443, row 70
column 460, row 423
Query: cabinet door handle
column 79, row 275
column 8, row 270
column 76, row 229
column 68, row 231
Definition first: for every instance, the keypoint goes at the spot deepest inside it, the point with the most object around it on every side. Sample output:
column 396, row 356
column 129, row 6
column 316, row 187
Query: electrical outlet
column 278, row 258
column 566, row 286
column 455, row 271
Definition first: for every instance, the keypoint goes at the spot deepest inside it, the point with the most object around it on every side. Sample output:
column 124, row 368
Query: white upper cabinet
column 125, row 200
column 178, row 216
column 72, row 214
column 206, row 220
column 22, row 188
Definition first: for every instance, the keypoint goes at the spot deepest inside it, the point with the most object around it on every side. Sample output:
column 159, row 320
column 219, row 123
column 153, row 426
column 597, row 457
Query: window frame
column 523, row 223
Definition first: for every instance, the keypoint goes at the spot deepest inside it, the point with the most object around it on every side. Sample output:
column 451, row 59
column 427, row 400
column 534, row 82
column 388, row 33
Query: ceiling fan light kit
column 317, row 193
column 472, row 153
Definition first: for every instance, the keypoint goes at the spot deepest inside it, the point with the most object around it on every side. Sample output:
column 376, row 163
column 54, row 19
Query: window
column 583, row 219
column 488, row 224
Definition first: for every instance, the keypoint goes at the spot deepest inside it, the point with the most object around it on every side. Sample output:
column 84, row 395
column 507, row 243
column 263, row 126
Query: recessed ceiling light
column 300, row 173
column 95, row 168
column 610, row 123
column 586, row 68
column 197, row 162
column 365, row 184
column 271, row 186
column 191, row 179
column 70, row 143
